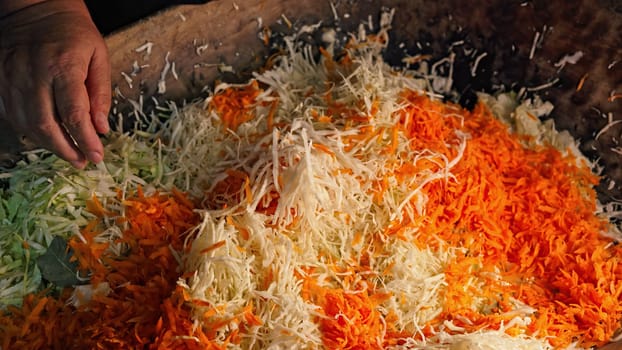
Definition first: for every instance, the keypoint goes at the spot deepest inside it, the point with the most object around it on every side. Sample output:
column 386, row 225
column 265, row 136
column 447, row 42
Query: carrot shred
column 213, row 247
column 235, row 106
column 139, row 307
column 582, row 82
column 529, row 212
column 350, row 320
column 614, row 97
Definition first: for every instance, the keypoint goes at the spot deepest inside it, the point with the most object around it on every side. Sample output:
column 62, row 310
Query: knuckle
column 44, row 127
column 67, row 64
column 100, row 100
column 54, row 68
column 74, row 117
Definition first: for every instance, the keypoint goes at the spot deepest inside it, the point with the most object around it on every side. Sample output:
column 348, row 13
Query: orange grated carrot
column 529, row 211
column 614, row 97
column 351, row 320
column 582, row 82
column 323, row 148
column 143, row 288
column 213, row 247
column 235, row 105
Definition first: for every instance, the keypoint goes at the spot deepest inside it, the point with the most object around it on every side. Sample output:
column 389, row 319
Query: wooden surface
column 505, row 30
column 230, row 33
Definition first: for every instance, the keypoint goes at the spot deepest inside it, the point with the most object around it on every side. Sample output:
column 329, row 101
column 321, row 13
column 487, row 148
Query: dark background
column 112, row 15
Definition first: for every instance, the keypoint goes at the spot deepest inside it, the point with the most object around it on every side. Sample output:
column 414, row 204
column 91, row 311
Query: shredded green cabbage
column 44, row 197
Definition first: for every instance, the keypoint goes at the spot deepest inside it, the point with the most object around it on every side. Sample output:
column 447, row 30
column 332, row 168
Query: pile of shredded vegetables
column 333, row 204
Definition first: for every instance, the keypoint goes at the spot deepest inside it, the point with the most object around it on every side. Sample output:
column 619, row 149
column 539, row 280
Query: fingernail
column 95, row 157
column 78, row 164
column 102, row 123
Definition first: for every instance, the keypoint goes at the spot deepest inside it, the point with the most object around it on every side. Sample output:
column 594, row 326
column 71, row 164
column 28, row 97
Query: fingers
column 40, row 124
column 57, row 139
column 55, row 79
column 99, row 89
column 73, row 107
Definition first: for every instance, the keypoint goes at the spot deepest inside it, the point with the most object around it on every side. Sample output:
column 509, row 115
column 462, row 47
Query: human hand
column 55, row 77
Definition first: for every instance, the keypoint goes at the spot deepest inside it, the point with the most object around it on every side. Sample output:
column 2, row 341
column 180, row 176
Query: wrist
column 8, row 7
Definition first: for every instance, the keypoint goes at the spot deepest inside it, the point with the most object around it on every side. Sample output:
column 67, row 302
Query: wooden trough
column 569, row 52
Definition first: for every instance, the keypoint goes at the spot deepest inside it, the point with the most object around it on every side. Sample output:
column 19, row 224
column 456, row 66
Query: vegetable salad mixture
column 331, row 202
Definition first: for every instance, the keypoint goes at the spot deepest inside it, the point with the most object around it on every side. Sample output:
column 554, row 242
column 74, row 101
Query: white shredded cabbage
column 326, row 209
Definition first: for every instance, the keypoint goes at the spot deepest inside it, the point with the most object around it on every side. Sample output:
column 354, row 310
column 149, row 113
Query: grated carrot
column 528, row 211
column 350, row 320
column 137, row 311
column 235, row 105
